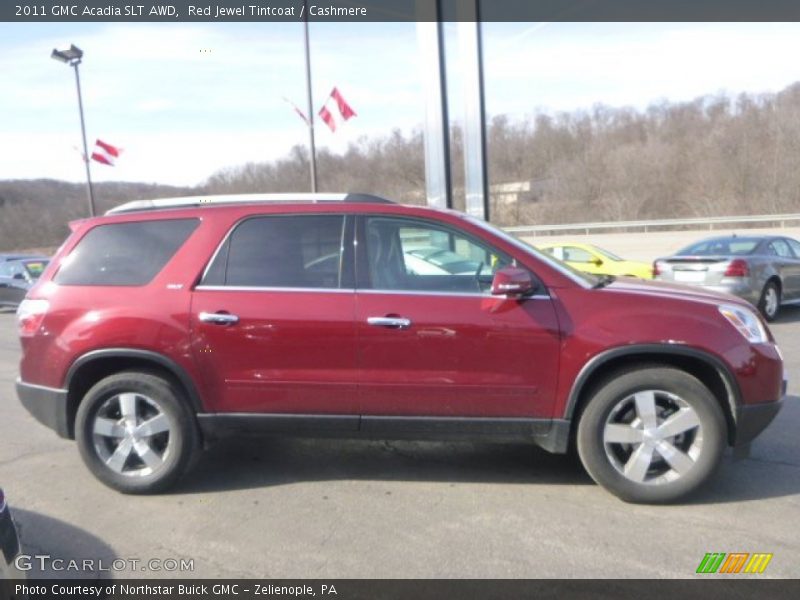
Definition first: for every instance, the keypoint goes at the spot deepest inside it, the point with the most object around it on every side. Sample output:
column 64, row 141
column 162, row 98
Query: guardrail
column 657, row 223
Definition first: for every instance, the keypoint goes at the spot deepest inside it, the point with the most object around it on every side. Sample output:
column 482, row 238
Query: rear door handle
column 391, row 322
column 218, row 318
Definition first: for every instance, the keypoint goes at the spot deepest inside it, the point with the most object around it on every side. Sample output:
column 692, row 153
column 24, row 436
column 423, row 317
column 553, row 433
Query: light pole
column 72, row 57
column 312, row 145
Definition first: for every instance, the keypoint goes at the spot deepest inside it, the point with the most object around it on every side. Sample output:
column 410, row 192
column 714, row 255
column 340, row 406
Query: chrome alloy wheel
column 131, row 434
column 771, row 301
column 653, row 437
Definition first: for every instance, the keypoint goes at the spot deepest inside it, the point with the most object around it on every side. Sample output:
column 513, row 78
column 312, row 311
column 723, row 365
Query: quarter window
column 125, row 254
column 302, row 251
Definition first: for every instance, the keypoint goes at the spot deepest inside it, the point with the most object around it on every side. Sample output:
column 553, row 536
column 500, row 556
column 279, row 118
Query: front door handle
column 391, row 322
column 218, row 318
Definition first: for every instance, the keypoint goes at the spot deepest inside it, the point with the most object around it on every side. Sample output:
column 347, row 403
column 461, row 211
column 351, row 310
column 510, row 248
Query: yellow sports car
column 591, row 259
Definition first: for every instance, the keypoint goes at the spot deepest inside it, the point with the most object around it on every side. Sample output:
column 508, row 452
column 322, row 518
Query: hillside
column 34, row 213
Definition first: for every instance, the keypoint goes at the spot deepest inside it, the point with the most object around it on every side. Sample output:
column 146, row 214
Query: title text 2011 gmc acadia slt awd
column 167, row 323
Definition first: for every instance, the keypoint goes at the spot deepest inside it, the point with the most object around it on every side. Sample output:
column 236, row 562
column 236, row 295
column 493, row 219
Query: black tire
column 608, row 412
column 767, row 307
column 150, row 396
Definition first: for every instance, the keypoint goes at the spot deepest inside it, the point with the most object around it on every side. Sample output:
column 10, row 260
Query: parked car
column 9, row 550
column 5, row 257
column 764, row 270
column 16, row 278
column 592, row 259
column 169, row 323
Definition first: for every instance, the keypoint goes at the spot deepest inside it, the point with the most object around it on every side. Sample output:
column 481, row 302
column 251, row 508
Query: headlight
column 746, row 322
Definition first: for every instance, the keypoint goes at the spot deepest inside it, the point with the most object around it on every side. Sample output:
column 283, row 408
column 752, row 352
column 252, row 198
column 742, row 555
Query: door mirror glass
column 512, row 281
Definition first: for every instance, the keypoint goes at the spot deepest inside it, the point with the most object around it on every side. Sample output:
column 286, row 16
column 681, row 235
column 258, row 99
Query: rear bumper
column 740, row 288
column 47, row 405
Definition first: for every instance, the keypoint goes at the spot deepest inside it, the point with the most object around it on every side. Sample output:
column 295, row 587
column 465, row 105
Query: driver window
column 412, row 255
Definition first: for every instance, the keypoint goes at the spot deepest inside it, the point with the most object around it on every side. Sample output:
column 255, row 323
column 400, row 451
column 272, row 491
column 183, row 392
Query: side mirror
column 597, row 261
column 19, row 276
column 512, row 281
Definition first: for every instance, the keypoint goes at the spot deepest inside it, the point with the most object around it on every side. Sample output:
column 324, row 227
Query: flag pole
column 312, row 145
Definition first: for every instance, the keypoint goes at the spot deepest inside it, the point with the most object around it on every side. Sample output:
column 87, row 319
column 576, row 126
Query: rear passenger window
column 795, row 247
column 303, row 251
column 780, row 248
column 125, row 254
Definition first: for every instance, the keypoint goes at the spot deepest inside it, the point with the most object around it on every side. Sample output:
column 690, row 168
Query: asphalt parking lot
column 332, row 509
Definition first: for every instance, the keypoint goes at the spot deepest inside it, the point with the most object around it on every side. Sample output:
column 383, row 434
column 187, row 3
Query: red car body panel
column 290, row 352
column 616, row 316
column 313, row 352
column 471, row 356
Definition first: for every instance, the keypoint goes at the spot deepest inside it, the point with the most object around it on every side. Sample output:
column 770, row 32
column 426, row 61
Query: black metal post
column 312, row 145
column 85, row 149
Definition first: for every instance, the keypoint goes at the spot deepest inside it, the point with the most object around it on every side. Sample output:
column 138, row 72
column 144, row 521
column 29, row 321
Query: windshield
column 584, row 279
column 722, row 246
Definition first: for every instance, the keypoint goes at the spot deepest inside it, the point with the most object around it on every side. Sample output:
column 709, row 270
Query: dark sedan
column 17, row 277
column 764, row 270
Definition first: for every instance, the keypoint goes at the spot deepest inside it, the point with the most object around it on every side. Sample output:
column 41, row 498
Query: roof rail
column 189, row 201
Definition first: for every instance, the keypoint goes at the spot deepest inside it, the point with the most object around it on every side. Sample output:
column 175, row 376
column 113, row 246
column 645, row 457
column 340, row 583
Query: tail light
column 737, row 268
column 30, row 315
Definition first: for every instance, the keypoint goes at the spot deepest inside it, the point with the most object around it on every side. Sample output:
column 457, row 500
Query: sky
column 184, row 100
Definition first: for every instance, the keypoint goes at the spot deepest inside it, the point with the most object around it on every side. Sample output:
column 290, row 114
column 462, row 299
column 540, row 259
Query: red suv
column 168, row 323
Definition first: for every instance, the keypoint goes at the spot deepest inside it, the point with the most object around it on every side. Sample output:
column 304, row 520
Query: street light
column 72, row 56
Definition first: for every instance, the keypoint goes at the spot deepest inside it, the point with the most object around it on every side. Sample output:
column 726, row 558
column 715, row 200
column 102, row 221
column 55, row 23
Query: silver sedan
column 765, row 270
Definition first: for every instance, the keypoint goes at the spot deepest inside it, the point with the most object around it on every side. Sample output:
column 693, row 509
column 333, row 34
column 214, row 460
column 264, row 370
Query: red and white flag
column 335, row 103
column 105, row 153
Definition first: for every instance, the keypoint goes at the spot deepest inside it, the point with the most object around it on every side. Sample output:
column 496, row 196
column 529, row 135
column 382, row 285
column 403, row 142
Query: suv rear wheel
column 651, row 435
column 135, row 433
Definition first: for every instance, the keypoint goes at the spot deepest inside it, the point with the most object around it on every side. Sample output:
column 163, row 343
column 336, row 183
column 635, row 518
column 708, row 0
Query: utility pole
column 312, row 145
column 72, row 56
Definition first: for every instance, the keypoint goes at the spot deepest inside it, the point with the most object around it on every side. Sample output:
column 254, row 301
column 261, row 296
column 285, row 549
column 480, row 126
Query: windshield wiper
column 603, row 281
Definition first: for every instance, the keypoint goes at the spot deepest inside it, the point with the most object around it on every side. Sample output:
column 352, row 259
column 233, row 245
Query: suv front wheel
column 135, row 433
column 651, row 434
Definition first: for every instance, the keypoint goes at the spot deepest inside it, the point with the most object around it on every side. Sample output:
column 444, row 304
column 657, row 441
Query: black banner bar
column 711, row 588
column 395, row 10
